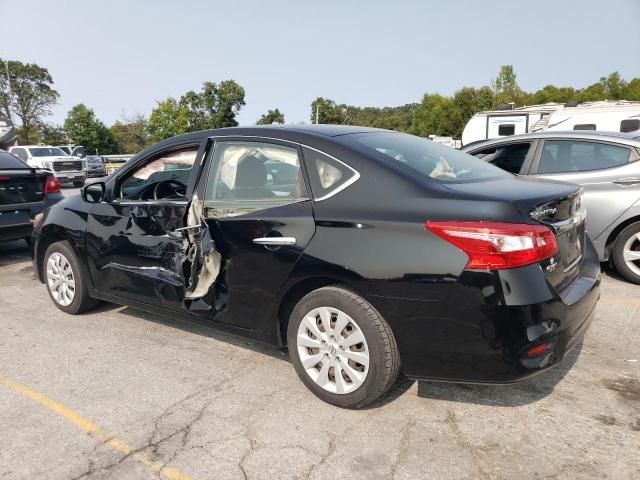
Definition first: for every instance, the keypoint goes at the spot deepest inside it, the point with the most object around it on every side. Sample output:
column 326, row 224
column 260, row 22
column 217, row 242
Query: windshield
column 9, row 162
column 47, row 152
column 438, row 162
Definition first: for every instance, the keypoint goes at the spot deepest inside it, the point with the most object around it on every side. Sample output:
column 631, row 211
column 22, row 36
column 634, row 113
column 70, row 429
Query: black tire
column 384, row 358
column 81, row 300
column 618, row 253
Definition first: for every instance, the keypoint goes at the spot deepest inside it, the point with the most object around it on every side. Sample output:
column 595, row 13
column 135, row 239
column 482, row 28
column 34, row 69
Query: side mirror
column 94, row 192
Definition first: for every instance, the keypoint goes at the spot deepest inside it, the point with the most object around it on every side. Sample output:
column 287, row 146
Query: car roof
column 628, row 138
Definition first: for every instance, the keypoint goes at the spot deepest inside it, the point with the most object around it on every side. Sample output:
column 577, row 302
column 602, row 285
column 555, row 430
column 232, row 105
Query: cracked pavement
column 212, row 405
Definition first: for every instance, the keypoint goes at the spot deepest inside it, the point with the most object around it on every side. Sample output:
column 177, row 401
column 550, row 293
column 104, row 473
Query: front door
column 134, row 246
column 254, row 218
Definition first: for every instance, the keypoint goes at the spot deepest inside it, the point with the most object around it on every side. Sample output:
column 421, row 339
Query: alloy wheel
column 631, row 253
column 60, row 279
column 333, row 350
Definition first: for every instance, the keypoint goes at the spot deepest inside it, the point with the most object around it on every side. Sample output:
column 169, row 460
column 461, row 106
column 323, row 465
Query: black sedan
column 24, row 192
column 366, row 252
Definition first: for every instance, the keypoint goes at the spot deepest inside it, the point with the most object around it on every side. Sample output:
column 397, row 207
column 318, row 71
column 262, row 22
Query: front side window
column 507, row 157
column 424, row 157
column 164, row 177
column 560, row 156
column 255, row 171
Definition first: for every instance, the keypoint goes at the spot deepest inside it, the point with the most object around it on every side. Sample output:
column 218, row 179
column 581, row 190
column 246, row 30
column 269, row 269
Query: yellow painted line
column 93, row 430
column 619, row 301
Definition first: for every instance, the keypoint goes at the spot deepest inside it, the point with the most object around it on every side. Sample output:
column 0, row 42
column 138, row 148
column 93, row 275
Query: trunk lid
column 21, row 186
column 556, row 204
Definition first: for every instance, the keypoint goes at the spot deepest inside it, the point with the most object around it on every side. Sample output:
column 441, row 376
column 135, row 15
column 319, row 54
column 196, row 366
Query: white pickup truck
column 64, row 167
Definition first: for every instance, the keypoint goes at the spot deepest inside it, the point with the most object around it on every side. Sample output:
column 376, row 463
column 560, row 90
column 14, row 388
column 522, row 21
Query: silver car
column 604, row 163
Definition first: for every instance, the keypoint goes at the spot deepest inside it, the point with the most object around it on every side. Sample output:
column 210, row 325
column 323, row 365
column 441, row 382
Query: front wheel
column 342, row 348
column 65, row 279
column 626, row 253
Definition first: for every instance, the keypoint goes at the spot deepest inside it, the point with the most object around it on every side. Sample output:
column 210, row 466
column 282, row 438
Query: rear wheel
column 626, row 253
column 65, row 280
column 342, row 348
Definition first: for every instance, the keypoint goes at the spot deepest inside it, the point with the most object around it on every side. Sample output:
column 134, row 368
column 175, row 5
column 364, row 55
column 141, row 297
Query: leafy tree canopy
column 131, row 135
column 83, row 128
column 272, row 116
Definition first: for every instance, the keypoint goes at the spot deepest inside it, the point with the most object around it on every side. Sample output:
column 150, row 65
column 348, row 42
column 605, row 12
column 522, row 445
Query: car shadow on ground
column 14, row 252
column 511, row 395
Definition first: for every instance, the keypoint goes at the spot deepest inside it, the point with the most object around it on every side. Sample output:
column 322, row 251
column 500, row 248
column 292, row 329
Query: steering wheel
column 179, row 189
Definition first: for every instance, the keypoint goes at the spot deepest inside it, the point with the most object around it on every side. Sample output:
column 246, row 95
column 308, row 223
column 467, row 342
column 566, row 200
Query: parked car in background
column 24, row 192
column 365, row 251
column 607, row 167
column 64, row 167
column 114, row 162
column 95, row 166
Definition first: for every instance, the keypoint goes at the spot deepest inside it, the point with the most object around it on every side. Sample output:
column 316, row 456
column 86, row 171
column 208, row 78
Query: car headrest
column 251, row 173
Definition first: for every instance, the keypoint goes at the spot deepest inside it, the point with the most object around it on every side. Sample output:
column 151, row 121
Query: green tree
column 272, row 116
column 551, row 93
column 83, row 128
column 506, row 88
column 469, row 101
column 632, row 90
column 216, row 106
column 324, row 110
column 132, row 134
column 437, row 115
column 168, row 119
column 27, row 93
column 49, row 134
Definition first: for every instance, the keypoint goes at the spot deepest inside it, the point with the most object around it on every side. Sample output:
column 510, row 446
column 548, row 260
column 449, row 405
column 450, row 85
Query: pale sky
column 119, row 57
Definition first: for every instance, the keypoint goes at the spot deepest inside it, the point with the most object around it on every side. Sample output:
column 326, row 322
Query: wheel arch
column 47, row 237
column 295, row 292
column 608, row 246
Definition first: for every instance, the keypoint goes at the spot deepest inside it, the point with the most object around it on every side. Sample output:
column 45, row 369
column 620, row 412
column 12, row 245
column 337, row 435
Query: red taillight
column 539, row 349
column 496, row 246
column 51, row 184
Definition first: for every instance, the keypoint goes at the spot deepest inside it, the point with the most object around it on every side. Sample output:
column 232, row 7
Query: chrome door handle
column 275, row 241
column 627, row 181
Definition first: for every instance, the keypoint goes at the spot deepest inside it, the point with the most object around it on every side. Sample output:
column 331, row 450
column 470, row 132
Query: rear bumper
column 23, row 229
column 486, row 322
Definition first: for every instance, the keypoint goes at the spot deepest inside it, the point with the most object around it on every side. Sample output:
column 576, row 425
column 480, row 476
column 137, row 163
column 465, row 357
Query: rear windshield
column 9, row 162
column 438, row 162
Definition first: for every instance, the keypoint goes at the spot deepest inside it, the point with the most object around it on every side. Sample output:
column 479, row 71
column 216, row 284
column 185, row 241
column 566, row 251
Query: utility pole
column 6, row 71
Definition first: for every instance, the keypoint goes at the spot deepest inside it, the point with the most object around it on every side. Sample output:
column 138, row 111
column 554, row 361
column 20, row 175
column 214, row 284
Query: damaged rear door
column 249, row 220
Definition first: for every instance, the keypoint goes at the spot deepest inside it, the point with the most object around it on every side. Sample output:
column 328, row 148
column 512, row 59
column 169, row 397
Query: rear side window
column 9, row 162
column 507, row 157
column 327, row 175
column 585, row 126
column 562, row 156
column 630, row 125
column 425, row 157
column 506, row 129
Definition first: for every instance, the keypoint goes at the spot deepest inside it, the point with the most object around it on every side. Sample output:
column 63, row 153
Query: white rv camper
column 505, row 121
column 610, row 116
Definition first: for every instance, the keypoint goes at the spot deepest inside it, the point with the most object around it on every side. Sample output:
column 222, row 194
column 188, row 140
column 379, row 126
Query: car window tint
column 419, row 155
column 560, row 156
column 175, row 165
column 255, row 171
column 8, row 162
column 507, row 157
